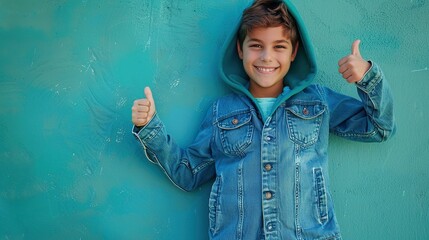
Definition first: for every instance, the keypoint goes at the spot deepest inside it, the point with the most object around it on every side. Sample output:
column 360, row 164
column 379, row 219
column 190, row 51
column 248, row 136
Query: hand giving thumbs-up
column 143, row 109
column 353, row 67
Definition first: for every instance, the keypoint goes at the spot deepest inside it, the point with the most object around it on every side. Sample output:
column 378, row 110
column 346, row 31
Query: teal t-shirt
column 266, row 105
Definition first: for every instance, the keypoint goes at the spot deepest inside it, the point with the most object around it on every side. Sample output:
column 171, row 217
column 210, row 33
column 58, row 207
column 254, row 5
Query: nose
column 266, row 55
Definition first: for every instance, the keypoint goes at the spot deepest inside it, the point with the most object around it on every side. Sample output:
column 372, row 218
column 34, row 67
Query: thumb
column 148, row 94
column 149, row 97
column 355, row 48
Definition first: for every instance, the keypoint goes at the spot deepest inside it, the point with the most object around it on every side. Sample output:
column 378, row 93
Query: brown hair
column 268, row 13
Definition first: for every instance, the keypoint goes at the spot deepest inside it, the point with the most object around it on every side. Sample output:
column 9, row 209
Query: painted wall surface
column 70, row 70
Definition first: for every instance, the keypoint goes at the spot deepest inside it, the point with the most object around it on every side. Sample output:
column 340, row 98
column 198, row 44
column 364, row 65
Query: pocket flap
column 306, row 110
column 234, row 121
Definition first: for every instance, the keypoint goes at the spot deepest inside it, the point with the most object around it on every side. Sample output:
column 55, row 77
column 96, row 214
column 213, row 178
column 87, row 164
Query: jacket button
column 268, row 167
column 235, row 121
column 305, row 111
column 268, row 195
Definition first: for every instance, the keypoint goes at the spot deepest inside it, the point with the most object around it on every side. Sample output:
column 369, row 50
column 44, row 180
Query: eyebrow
column 277, row 41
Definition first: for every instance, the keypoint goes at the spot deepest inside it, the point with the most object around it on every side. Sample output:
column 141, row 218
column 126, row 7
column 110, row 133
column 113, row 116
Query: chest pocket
column 236, row 132
column 304, row 121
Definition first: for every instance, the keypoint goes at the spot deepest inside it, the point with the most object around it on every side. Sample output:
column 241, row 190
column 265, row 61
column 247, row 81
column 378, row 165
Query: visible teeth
column 266, row 70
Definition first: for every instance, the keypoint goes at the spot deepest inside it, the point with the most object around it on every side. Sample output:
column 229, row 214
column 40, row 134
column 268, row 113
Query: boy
column 266, row 144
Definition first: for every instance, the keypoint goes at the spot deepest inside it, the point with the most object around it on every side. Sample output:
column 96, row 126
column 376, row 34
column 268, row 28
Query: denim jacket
column 271, row 178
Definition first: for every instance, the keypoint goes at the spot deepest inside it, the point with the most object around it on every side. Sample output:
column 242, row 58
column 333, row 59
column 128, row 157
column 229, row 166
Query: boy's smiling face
column 267, row 54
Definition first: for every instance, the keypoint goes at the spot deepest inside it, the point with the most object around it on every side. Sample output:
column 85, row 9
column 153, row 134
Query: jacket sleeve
column 368, row 120
column 187, row 168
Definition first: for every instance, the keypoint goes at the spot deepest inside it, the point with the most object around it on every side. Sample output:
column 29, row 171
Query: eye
column 255, row 45
column 280, row 47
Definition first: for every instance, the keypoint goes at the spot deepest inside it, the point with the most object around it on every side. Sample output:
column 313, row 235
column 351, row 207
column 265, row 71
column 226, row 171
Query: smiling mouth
column 266, row 69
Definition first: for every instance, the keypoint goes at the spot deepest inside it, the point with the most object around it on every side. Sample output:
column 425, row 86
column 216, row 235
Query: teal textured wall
column 70, row 70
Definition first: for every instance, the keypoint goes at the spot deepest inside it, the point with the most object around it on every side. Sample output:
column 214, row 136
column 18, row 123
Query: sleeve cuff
column 148, row 131
column 371, row 78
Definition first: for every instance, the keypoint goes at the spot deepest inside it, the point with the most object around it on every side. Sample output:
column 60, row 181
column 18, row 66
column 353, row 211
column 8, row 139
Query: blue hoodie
column 271, row 176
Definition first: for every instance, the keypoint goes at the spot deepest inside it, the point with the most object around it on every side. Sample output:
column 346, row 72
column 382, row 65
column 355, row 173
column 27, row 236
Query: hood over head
column 301, row 73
